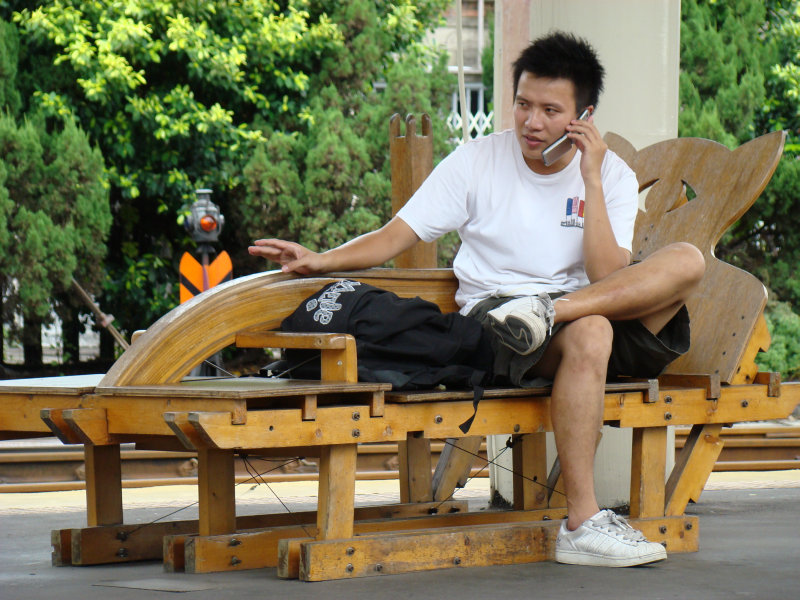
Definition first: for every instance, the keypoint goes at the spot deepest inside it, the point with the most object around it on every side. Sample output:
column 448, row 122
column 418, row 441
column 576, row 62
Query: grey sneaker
column 606, row 540
column 523, row 323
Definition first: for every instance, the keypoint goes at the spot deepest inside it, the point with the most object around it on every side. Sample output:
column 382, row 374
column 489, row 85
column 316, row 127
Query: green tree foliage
column 54, row 206
column 739, row 79
column 271, row 104
column 784, row 325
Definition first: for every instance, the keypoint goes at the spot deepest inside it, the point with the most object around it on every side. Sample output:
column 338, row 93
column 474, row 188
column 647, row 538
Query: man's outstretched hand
column 292, row 257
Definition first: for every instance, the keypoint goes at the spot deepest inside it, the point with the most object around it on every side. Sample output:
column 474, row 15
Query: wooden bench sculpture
column 144, row 399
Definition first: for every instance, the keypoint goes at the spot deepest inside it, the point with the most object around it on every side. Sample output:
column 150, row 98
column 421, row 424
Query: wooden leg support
column 337, row 489
column 414, row 455
column 454, row 465
column 530, row 471
column 215, row 487
column 692, row 467
column 648, row 470
column 103, row 484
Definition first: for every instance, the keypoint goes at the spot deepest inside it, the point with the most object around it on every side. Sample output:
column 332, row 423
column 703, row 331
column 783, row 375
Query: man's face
column 543, row 108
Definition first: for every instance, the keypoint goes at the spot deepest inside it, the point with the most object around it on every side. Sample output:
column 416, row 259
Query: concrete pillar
column 639, row 45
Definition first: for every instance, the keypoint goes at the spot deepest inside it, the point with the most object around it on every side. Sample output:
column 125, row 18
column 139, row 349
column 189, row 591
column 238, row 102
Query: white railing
column 479, row 121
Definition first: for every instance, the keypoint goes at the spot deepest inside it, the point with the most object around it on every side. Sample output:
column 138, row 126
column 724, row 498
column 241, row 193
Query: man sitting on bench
column 545, row 264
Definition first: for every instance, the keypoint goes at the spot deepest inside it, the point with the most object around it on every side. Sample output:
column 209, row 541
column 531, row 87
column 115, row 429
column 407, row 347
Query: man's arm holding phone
column 603, row 255
column 368, row 250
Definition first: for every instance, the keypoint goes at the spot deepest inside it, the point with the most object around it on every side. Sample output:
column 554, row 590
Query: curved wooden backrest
column 696, row 189
column 209, row 322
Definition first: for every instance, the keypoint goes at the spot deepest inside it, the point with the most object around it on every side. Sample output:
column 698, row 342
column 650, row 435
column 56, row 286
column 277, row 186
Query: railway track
column 47, row 465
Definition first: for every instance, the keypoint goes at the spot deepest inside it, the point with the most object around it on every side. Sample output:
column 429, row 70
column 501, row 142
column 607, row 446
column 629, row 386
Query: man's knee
column 688, row 261
column 588, row 340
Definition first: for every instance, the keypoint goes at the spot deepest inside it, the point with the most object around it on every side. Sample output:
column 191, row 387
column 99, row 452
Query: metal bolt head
column 667, row 416
column 356, row 433
column 663, row 529
column 516, row 428
column 356, row 416
column 235, row 561
column 122, row 553
column 438, row 419
column 456, row 561
column 745, row 404
column 668, row 399
column 350, row 551
column 379, row 567
column 688, row 526
column 349, row 568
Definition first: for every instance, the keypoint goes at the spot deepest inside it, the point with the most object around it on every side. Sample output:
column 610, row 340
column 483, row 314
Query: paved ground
column 750, row 548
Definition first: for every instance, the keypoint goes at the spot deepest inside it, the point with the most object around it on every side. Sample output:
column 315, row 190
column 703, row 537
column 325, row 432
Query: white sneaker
column 522, row 324
column 606, row 540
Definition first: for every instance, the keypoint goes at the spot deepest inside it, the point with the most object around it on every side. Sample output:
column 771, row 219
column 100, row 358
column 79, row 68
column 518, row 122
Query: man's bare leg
column 576, row 359
column 652, row 291
column 577, row 356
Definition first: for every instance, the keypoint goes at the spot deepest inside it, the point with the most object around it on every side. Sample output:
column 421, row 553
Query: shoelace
column 549, row 311
column 618, row 526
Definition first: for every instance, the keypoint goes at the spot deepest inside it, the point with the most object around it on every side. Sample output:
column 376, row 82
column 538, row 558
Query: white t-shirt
column 521, row 233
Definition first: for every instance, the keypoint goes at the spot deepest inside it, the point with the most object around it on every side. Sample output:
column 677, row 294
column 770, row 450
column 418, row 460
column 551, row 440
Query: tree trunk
column 32, row 342
column 71, row 335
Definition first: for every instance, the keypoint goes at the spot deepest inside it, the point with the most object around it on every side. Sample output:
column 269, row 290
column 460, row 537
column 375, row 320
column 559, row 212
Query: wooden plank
column 710, row 383
column 337, row 481
column 235, row 388
column 692, row 467
column 407, row 552
column 414, row 458
column 282, row 339
column 514, row 543
column 256, row 548
column 454, row 465
column 215, row 486
column 65, row 385
column 530, row 471
column 648, row 469
column 103, row 485
column 649, row 386
column 152, row 541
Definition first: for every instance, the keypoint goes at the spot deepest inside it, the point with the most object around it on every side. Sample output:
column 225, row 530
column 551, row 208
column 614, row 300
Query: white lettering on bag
column 326, row 304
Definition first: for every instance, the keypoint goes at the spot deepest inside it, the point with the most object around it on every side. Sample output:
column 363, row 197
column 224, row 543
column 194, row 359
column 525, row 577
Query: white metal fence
column 479, row 120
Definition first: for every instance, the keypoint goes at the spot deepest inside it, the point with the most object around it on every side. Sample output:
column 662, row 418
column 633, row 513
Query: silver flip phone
column 562, row 145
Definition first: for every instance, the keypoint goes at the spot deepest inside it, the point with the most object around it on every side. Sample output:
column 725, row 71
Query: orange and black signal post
column 204, row 223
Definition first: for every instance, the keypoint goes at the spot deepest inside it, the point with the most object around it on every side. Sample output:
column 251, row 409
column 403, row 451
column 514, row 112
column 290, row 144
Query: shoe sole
column 592, row 560
column 514, row 333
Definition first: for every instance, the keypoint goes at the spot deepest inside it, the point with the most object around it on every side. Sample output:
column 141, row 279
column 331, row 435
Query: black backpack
column 407, row 342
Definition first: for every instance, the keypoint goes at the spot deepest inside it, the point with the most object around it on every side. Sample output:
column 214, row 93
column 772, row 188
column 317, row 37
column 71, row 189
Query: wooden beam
column 648, row 469
column 514, row 543
column 103, row 484
column 337, row 485
column 454, row 465
column 530, row 471
column 692, row 467
column 414, row 458
column 215, row 486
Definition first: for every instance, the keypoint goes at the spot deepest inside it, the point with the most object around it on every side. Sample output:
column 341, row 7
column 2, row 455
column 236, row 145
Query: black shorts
column 635, row 350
